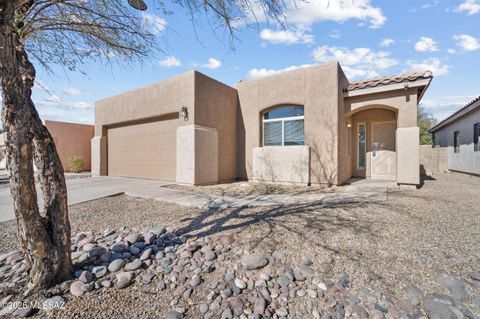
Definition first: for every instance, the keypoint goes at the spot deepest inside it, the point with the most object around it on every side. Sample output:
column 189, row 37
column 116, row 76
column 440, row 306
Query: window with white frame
column 283, row 126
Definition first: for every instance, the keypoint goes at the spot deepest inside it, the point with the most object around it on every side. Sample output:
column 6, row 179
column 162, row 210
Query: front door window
column 362, row 145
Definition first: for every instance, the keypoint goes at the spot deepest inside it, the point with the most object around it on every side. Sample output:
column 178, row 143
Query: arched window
column 283, row 126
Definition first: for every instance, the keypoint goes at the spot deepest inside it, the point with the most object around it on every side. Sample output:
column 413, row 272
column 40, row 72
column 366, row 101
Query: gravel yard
column 409, row 239
column 251, row 188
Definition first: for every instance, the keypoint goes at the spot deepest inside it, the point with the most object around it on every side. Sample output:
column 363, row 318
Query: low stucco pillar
column 408, row 155
column 281, row 164
column 99, row 155
column 197, row 155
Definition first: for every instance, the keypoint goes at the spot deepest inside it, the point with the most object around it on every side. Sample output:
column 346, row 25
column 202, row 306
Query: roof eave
column 421, row 83
column 454, row 117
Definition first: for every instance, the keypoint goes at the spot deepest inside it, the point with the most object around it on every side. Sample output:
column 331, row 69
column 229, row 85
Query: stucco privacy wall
column 281, row 164
column 71, row 139
column 315, row 88
column 467, row 160
column 151, row 103
column 216, row 107
column 433, row 159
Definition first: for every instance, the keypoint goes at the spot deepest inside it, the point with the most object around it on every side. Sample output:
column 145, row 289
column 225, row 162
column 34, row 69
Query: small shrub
column 76, row 163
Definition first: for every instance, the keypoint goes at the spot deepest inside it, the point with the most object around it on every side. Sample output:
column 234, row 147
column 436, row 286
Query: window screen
column 272, row 133
column 293, row 132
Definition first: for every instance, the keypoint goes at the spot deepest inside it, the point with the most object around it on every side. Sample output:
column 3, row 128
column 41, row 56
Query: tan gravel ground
column 408, row 239
column 251, row 188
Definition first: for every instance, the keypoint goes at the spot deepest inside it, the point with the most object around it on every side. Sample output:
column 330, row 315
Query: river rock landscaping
column 414, row 256
column 213, row 277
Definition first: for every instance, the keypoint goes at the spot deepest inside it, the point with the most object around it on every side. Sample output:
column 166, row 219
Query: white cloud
column 263, row 72
column 431, row 64
column 443, row 106
column 386, row 42
column 445, row 101
column 335, row 34
column 359, row 62
column 471, row 7
column 50, row 100
column 77, row 105
column 306, row 13
column 467, row 42
column 212, row 64
column 71, row 91
column 153, row 23
column 426, row 6
column 53, row 101
column 451, row 51
column 286, row 36
column 170, row 61
column 426, row 44
column 66, row 116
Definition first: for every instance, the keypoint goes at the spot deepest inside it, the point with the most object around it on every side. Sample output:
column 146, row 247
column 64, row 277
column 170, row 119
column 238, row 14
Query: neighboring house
column 306, row 126
column 70, row 140
column 460, row 134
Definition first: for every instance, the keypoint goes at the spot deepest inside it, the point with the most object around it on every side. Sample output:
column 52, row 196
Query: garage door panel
column 146, row 150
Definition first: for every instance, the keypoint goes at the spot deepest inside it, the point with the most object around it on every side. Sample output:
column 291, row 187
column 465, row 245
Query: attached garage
column 145, row 150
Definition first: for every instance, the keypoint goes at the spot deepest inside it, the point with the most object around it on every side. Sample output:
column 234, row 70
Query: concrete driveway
column 85, row 189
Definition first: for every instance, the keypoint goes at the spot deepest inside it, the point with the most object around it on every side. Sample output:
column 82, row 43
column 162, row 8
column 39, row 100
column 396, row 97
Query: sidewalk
column 357, row 192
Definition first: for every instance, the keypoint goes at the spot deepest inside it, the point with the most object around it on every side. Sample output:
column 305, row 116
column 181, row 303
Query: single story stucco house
column 306, row 126
column 460, row 134
column 71, row 139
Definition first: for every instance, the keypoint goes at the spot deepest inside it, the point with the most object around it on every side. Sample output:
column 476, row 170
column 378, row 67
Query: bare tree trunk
column 45, row 239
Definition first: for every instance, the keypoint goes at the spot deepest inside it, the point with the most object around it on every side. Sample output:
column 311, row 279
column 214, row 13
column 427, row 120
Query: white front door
column 384, row 160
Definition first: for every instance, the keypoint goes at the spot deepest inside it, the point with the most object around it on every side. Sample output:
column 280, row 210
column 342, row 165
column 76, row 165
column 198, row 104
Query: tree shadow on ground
column 318, row 218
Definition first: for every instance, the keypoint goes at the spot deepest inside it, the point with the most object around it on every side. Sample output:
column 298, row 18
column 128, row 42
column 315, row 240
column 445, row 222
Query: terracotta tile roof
column 457, row 113
column 409, row 77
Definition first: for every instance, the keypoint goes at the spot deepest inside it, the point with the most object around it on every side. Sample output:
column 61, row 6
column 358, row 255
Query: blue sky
column 369, row 38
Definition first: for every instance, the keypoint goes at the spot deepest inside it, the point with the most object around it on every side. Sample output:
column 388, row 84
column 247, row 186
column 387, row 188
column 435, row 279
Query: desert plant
column 76, row 163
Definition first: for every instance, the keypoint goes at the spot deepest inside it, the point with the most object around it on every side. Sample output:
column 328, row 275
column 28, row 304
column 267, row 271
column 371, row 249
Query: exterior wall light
column 184, row 113
column 349, row 125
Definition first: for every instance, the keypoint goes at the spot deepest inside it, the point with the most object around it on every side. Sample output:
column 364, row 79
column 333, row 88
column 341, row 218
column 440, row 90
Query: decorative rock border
column 247, row 285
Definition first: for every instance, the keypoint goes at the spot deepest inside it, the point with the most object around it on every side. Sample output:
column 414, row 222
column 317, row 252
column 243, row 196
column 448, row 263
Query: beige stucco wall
column 408, row 155
column 216, row 107
column 148, row 104
column 197, row 155
column 433, row 159
column 344, row 133
column 278, row 164
column 316, row 88
column 71, row 140
column 210, row 104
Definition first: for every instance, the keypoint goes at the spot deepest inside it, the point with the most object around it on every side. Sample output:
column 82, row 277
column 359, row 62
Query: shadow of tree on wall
column 323, row 168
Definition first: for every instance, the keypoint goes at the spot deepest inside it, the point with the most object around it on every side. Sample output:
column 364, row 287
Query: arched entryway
column 373, row 137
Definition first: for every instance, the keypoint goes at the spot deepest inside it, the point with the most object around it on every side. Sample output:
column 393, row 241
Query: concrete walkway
column 85, row 189
column 356, row 192
column 89, row 188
